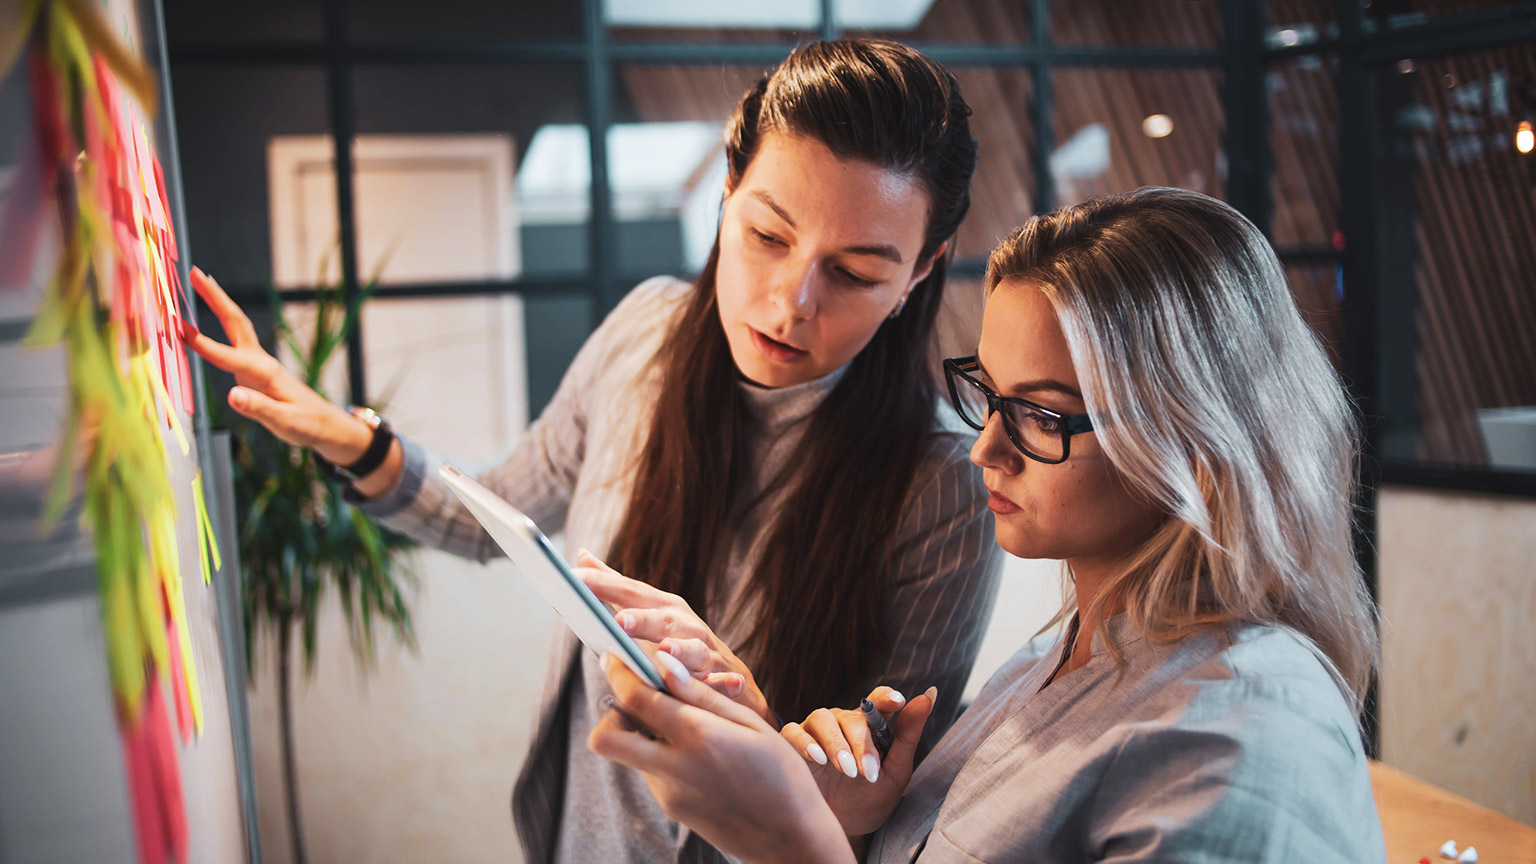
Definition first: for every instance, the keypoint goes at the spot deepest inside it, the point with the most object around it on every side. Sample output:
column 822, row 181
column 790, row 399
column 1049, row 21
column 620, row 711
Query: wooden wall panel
column 1458, row 686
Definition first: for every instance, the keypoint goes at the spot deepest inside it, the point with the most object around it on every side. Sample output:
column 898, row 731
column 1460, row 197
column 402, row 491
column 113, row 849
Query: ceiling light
column 1157, row 126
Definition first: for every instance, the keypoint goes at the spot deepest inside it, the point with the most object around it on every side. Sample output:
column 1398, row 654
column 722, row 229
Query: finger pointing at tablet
column 648, row 613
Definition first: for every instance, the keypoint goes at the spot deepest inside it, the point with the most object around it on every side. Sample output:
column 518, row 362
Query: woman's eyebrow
column 888, row 252
column 1039, row 385
column 764, row 197
column 1048, row 385
column 881, row 250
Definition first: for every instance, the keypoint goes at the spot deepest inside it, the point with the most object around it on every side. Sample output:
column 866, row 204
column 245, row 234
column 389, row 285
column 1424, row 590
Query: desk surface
column 1418, row 817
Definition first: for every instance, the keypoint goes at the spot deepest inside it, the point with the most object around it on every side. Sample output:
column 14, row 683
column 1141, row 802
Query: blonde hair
column 1212, row 397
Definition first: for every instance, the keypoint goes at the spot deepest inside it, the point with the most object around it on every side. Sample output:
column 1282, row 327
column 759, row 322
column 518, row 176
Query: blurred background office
column 509, row 169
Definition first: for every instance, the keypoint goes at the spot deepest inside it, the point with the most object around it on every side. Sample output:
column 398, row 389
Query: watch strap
column 372, row 458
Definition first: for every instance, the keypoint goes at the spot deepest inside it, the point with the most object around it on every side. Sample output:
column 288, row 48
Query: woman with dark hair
column 1155, row 413
column 762, row 446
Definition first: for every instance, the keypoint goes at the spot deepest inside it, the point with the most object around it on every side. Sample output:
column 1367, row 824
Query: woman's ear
column 926, row 266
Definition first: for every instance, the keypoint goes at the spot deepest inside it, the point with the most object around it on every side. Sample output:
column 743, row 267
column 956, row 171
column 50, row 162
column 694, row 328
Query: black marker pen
column 879, row 730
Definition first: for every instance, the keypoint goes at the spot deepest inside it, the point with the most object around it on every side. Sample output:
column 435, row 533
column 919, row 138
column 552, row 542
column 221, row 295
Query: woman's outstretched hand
column 653, row 615
column 862, row 788
column 717, row 767
column 270, row 394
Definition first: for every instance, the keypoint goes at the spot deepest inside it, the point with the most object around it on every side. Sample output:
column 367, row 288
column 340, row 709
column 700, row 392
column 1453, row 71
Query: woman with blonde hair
column 1155, row 413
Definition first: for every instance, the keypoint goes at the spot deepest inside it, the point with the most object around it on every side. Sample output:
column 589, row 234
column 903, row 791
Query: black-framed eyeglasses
column 1040, row 433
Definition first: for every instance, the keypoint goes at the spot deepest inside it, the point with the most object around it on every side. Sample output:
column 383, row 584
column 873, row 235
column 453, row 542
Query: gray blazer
column 1228, row 746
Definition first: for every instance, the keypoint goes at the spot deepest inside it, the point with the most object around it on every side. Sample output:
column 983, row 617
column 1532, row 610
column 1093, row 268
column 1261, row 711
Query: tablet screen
column 555, row 579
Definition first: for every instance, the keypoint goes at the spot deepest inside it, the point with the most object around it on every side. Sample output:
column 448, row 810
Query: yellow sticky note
column 205, row 531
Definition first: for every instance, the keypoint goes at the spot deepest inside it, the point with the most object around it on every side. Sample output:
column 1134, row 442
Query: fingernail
column 932, row 693
column 871, row 767
column 584, row 551
column 623, row 620
column 187, row 328
column 673, row 665
column 814, row 751
column 237, row 398
column 198, row 271
column 605, row 661
column 845, row 759
column 897, row 697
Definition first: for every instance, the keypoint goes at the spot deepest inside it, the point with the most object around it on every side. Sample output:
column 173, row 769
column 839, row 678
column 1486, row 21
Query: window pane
column 1300, row 22
column 1290, row 13
column 463, row 20
column 790, row 21
column 1303, row 98
column 1145, row 22
column 666, row 165
column 966, row 21
column 226, row 117
column 198, row 21
column 1460, row 250
column 451, row 372
column 555, row 328
column 1415, row 11
column 417, row 351
column 1003, row 189
column 1120, row 129
column 462, row 144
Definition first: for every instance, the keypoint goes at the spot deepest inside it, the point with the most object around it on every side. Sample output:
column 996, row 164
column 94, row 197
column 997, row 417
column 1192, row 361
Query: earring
column 900, row 305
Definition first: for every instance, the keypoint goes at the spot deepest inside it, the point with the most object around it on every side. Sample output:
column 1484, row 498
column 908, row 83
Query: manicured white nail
column 814, row 751
column 845, row 759
column 871, row 767
column 897, row 697
column 674, row 666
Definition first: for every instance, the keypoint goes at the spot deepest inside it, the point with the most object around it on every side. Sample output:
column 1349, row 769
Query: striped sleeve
column 945, row 583
column 540, row 474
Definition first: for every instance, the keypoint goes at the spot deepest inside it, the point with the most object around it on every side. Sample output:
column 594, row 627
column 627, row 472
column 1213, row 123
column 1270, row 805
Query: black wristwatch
column 372, row 458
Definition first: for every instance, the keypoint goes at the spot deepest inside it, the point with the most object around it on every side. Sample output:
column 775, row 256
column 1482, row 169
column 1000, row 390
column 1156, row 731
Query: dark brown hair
column 820, row 584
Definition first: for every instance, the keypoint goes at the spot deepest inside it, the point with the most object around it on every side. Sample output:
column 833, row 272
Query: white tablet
column 533, row 554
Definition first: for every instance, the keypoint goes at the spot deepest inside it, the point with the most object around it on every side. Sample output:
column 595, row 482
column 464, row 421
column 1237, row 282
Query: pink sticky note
column 143, row 792
column 163, row 760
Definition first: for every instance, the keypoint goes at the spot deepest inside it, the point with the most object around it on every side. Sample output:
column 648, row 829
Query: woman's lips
column 1001, row 505
column 775, row 350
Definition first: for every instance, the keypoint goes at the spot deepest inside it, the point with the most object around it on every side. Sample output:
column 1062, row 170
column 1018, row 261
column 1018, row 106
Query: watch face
column 369, row 416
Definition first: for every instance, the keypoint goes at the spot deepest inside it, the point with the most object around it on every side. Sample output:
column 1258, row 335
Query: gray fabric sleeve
column 1262, row 782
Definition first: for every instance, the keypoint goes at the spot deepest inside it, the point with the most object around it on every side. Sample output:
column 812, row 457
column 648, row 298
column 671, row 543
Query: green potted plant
column 299, row 539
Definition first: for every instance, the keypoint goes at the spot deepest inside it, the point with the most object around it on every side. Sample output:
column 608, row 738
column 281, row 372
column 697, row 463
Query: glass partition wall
column 1383, row 145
